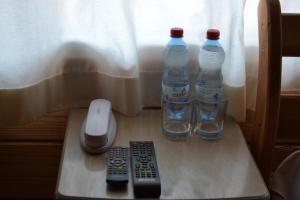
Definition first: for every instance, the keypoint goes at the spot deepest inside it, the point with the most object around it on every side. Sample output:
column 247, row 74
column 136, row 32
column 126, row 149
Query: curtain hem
column 65, row 91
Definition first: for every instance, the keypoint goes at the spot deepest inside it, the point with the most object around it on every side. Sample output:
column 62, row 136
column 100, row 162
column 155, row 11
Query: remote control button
column 117, row 161
column 144, row 169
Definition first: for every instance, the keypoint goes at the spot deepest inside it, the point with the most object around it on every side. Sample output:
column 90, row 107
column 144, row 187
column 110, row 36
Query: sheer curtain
column 62, row 54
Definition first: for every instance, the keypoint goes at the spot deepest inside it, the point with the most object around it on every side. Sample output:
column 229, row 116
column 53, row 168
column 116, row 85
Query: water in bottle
column 210, row 102
column 176, row 105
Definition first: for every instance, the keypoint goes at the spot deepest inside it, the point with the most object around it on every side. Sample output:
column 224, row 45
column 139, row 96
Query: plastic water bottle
column 209, row 88
column 176, row 123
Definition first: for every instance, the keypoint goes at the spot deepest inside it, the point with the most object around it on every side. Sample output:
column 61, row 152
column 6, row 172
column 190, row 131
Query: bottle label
column 176, row 93
column 208, row 94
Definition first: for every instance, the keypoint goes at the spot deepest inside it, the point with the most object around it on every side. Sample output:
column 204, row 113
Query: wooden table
column 191, row 169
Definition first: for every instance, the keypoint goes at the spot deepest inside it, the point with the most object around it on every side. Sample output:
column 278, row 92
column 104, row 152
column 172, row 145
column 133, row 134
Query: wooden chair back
column 279, row 35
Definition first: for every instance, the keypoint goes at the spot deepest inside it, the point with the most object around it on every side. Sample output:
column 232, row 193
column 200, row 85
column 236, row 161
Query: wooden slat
column 29, row 170
column 289, row 121
column 290, row 34
column 269, row 81
column 248, row 127
column 49, row 128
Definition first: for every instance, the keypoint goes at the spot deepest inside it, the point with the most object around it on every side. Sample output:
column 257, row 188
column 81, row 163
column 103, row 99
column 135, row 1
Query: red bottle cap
column 213, row 34
column 176, row 32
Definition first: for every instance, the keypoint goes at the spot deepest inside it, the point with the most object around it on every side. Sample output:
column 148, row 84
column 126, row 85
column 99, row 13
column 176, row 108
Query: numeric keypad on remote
column 117, row 166
column 145, row 176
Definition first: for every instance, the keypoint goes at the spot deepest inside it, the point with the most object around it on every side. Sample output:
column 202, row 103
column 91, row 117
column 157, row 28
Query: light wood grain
column 191, row 169
column 269, row 83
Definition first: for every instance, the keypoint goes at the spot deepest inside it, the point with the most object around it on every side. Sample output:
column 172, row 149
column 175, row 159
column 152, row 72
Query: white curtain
column 61, row 54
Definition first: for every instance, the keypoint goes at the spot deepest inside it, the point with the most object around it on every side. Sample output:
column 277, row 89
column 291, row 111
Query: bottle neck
column 177, row 41
column 209, row 42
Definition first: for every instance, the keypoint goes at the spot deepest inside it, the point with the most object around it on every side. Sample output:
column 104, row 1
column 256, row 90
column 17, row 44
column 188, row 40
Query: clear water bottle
column 176, row 105
column 210, row 102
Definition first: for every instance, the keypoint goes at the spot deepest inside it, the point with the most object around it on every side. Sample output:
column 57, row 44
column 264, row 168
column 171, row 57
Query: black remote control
column 144, row 170
column 117, row 166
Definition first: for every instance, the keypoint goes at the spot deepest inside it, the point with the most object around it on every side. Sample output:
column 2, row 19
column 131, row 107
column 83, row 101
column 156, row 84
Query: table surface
column 190, row 169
